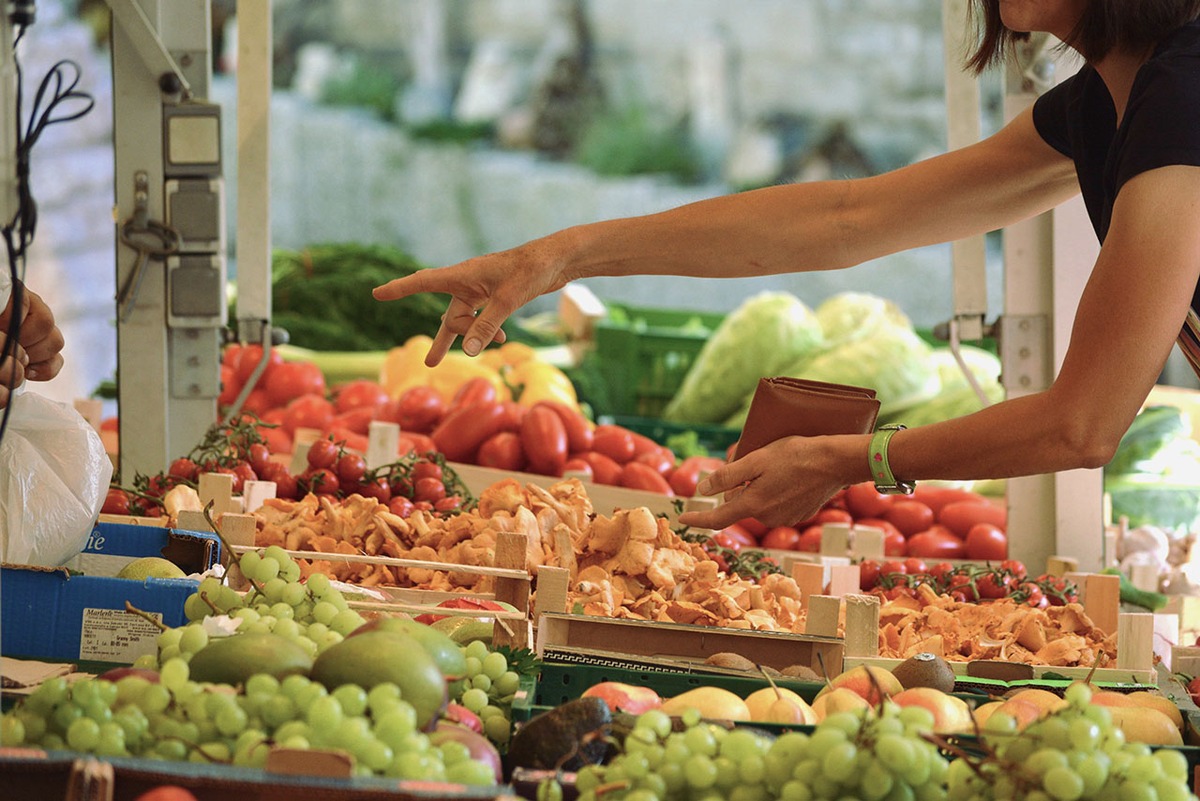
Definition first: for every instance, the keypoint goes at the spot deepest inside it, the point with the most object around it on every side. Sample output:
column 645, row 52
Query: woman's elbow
column 1090, row 446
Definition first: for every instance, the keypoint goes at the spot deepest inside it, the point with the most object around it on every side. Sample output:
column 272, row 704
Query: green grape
column 65, row 714
column 352, row 698
column 381, row 694
column 246, row 615
column 474, row 667
column 193, row 638
column 318, row 584
column 700, row 772
column 477, row 649
column 1062, row 784
column 277, row 710
column 474, row 773
column 701, row 740
column 272, row 590
column 1144, row 769
column 1078, row 695
column 494, row 665
column 12, row 730
column 656, row 721
column 346, row 621
column 262, row 684
column 324, row 612
column 1174, row 764
column 294, row 594
column 290, row 570
column 112, row 740
column 324, row 714
column 277, row 553
column 83, row 734
column 194, row 608
column 481, row 681
column 507, row 684
column 287, row 628
column 498, row 729
column 1172, row 790
column 231, row 720
column 838, row 763
column 475, row 700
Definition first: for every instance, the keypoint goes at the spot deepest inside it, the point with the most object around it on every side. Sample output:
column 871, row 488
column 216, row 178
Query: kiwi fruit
column 925, row 670
column 802, row 672
column 730, row 660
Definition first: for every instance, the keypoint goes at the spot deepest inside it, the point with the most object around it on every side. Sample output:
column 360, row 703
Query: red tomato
column 259, row 456
column 464, row 429
column 287, row 486
column 615, row 442
column 308, row 411
column 751, row 524
column 868, row 575
column 450, row 503
column 428, row 469
column 347, row 439
column 990, row 586
column 643, row 444
column 885, row 526
column 417, row 409
column 422, row 443
column 832, row 515
column 361, row 393
column 257, row 403
column 936, row 545
column 936, row 497
column 580, row 434
column 580, row 468
column 400, row 506
column 248, row 358
column 378, row 488
column 959, row 516
column 784, row 538
column 810, row 540
column 278, row 440
column 893, row 566
column 736, row 533
column 894, row 544
column 292, row 380
column 230, row 386
column 320, row 481
column 686, row 476
column 910, row 517
column 514, row 416
column 915, row 567
column 502, row 451
column 116, row 502
column 186, row 469
column 986, row 541
column 544, row 440
column 356, row 420
column 635, row 475
column 474, row 390
column 351, row 467
column 1013, row 567
column 863, row 500
column 322, row 453
column 430, row 490
column 604, row 468
column 660, row 459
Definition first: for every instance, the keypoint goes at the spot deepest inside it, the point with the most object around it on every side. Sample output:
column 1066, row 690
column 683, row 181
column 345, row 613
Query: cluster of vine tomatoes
column 965, row 583
column 414, row 481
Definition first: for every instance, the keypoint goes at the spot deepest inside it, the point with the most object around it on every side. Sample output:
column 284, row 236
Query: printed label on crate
column 114, row 635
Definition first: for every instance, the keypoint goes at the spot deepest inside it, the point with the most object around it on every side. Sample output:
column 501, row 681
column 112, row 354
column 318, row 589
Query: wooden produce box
column 636, row 643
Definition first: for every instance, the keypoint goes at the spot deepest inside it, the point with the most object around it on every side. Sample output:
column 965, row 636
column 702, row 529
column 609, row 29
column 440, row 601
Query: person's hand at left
column 777, row 484
column 39, row 336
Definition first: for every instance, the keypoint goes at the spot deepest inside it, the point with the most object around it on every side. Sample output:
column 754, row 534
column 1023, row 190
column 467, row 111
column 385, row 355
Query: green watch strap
column 881, row 471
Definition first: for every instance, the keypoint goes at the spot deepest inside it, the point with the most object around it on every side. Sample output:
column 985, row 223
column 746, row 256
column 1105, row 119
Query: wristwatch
column 881, row 471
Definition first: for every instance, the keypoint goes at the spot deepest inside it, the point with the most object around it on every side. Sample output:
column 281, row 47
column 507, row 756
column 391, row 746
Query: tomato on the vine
column 914, row 566
column 321, row 481
column 184, row 469
column 1014, row 568
column 991, row 586
column 450, row 503
column 322, row 453
column 868, row 574
column 377, row 488
column 429, row 489
column 116, row 502
column 351, row 467
column 400, row 506
column 427, row 469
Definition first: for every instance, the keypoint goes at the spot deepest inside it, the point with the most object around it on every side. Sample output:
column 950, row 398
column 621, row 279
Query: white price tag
column 114, row 635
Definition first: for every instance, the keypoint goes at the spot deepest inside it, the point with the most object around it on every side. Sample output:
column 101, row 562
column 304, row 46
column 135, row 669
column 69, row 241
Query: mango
column 445, row 652
column 379, row 657
column 233, row 659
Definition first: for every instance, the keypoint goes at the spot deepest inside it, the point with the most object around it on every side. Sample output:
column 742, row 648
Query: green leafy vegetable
column 1154, row 477
column 765, row 333
column 322, row 296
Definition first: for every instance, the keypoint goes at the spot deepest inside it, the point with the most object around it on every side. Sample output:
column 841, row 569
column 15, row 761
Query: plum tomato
column 615, row 442
column 810, row 540
column 960, row 516
column 308, row 411
column 361, row 393
column 863, row 500
column 910, row 517
column 783, row 538
column 833, row 514
column 291, row 380
column 987, row 542
column 418, row 409
column 248, row 359
column 502, row 451
column 934, row 544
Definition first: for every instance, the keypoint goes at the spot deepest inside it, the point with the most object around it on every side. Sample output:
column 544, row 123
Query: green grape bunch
column 1074, row 754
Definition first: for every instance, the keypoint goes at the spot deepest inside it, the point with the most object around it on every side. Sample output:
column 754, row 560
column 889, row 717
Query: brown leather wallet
column 785, row 407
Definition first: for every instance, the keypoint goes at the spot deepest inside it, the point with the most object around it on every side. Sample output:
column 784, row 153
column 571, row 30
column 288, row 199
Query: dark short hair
column 1105, row 24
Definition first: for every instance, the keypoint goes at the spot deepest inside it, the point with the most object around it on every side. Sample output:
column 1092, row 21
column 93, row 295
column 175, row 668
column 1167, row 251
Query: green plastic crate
column 643, row 354
column 560, row 682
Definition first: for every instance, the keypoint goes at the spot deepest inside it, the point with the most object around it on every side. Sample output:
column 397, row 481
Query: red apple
column 622, row 697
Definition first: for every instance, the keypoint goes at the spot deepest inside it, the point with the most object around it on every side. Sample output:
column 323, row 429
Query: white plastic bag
column 54, row 475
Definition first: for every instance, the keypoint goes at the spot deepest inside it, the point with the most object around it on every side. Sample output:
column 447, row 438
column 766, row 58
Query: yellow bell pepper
column 538, row 380
column 458, row 368
column 405, row 368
